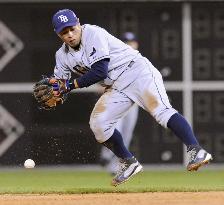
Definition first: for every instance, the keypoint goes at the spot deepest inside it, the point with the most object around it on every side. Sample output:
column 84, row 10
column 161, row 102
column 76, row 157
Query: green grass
column 65, row 181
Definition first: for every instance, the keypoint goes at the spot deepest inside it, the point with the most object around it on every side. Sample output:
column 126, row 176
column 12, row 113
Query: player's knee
column 96, row 126
column 99, row 128
column 163, row 116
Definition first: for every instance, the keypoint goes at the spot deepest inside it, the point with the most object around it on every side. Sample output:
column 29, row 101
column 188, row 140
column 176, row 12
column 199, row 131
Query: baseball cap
column 64, row 18
column 129, row 36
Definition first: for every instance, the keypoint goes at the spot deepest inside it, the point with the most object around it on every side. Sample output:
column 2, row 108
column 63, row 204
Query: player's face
column 71, row 35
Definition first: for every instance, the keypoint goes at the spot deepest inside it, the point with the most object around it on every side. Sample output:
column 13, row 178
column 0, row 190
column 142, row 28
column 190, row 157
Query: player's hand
column 45, row 95
column 60, row 86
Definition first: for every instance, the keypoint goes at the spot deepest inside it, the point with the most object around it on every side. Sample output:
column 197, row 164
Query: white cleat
column 197, row 158
column 128, row 168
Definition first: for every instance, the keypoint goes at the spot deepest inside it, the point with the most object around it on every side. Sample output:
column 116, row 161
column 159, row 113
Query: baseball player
column 128, row 78
column 126, row 125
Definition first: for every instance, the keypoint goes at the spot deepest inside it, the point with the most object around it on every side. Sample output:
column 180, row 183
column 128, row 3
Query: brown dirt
column 165, row 198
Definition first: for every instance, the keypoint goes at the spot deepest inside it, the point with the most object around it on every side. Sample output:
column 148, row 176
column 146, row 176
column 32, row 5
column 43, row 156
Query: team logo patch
column 63, row 18
column 93, row 52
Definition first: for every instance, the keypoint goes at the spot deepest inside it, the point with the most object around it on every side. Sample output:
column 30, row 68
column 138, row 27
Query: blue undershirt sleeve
column 97, row 73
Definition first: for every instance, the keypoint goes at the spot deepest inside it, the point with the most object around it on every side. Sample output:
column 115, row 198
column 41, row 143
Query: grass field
column 70, row 181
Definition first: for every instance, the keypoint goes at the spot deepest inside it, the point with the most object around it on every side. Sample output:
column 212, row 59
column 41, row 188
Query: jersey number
column 81, row 70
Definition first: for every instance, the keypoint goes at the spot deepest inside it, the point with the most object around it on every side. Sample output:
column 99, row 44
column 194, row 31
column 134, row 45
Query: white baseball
column 29, row 163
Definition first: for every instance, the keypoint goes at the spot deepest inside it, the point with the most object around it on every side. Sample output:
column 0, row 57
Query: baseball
column 29, row 163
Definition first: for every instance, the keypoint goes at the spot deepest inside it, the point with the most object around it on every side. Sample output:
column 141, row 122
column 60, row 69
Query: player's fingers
column 40, row 87
column 53, row 80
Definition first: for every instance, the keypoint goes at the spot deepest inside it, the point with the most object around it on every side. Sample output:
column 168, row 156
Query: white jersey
column 96, row 44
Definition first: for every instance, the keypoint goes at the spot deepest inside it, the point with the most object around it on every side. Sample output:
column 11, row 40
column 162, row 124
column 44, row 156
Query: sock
column 116, row 145
column 181, row 128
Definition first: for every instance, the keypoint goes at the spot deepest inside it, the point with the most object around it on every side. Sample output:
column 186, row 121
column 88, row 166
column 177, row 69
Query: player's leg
column 153, row 98
column 182, row 129
column 111, row 107
column 107, row 158
column 126, row 127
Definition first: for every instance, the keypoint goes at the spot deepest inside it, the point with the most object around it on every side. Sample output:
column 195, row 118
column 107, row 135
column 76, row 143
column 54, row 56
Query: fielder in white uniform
column 125, row 125
column 128, row 78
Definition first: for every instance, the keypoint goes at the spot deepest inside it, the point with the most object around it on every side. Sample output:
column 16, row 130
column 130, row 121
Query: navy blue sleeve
column 98, row 72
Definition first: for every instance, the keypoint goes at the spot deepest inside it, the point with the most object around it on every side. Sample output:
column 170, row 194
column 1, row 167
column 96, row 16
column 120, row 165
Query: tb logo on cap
column 63, row 18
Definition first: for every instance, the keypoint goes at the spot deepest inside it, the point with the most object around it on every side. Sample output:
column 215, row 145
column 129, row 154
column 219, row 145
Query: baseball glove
column 45, row 95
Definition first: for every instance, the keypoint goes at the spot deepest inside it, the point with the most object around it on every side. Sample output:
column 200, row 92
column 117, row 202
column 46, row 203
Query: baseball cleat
column 128, row 168
column 197, row 158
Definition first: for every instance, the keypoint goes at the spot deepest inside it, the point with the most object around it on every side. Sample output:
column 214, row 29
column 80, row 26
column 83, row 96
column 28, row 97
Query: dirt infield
column 165, row 198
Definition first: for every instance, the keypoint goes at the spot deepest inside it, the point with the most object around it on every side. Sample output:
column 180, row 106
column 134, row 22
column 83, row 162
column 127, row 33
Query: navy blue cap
column 129, row 36
column 64, row 18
